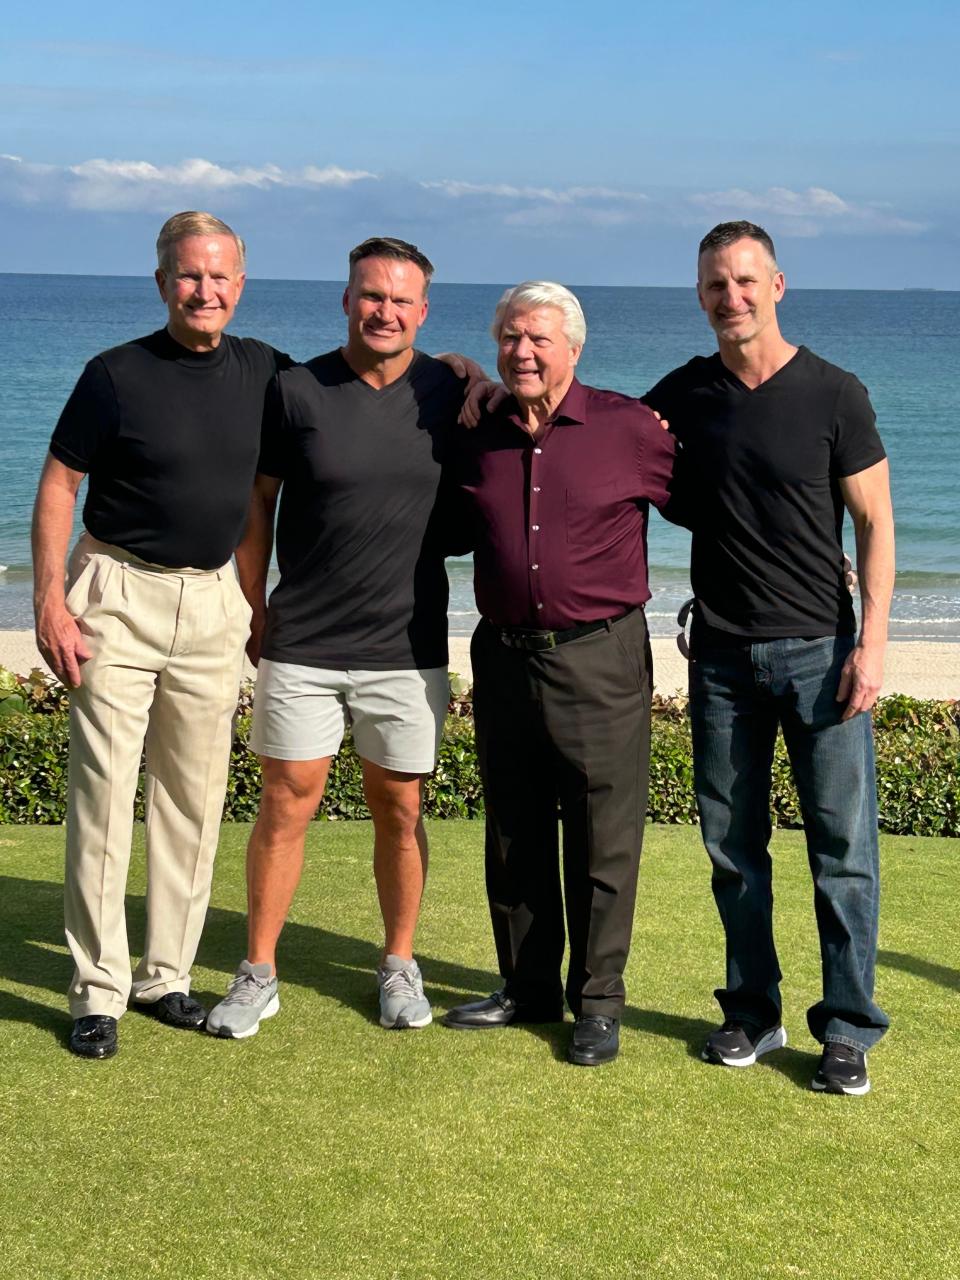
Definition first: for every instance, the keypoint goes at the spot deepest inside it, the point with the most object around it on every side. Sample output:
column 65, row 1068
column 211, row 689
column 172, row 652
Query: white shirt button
column 539, row 605
column 535, row 528
column 534, row 566
column 536, row 488
column 538, row 450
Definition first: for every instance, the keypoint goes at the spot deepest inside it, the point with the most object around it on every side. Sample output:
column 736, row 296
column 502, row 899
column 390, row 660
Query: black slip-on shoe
column 499, row 1010
column 596, row 1039
column 94, row 1036
column 175, row 1010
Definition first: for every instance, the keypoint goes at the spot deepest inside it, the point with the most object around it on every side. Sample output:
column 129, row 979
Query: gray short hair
column 192, row 222
column 725, row 234
column 543, row 293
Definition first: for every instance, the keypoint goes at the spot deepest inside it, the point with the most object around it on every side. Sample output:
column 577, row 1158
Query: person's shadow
column 33, row 954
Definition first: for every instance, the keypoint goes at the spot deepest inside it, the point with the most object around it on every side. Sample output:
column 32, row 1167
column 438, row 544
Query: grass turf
column 327, row 1147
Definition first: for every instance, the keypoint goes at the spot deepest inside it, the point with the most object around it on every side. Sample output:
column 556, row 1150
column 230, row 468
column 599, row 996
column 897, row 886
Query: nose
column 386, row 310
column 204, row 289
column 523, row 347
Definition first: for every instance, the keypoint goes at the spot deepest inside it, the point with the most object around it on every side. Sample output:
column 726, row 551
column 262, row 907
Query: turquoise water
column 903, row 346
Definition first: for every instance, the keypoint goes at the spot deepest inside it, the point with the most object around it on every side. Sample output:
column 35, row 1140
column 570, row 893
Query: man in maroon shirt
column 557, row 483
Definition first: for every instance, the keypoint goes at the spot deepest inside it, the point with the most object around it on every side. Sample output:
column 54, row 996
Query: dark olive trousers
column 563, row 739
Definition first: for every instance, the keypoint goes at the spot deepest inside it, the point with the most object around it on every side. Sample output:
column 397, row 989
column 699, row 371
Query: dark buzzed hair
column 399, row 250
column 727, row 233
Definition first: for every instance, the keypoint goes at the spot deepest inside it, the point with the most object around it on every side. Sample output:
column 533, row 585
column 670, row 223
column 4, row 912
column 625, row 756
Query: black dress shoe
column 499, row 1010
column 595, row 1039
column 94, row 1036
column 175, row 1010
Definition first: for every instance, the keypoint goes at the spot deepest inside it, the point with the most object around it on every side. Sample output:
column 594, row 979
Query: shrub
column 917, row 745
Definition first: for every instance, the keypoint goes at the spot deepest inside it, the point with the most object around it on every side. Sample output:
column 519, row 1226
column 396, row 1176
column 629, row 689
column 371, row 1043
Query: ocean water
column 902, row 345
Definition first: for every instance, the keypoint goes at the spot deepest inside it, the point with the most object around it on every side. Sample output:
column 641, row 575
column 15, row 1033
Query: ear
column 423, row 311
column 779, row 286
column 700, row 297
column 346, row 301
column 161, row 278
column 241, row 281
column 575, row 353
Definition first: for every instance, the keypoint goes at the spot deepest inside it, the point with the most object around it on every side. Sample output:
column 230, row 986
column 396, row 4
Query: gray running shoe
column 402, row 1002
column 252, row 995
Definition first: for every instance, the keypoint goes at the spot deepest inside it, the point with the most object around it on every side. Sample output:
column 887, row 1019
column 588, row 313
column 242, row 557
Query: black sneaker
column 737, row 1044
column 842, row 1069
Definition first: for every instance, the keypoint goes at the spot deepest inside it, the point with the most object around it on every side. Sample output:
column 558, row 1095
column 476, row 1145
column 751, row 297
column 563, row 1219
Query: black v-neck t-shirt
column 761, row 469
column 169, row 439
column 359, row 544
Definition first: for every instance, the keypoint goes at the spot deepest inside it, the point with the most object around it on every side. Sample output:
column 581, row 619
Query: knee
column 395, row 817
column 292, row 790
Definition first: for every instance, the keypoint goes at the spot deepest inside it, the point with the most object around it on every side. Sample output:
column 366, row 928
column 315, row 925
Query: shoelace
column 402, row 982
column 245, row 988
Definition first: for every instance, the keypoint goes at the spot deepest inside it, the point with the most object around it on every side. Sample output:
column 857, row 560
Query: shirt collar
column 571, row 409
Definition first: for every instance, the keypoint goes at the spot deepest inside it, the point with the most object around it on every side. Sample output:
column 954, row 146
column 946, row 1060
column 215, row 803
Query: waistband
column 539, row 641
column 94, row 546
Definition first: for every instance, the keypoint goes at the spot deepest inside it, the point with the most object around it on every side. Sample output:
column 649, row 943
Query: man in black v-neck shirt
column 150, row 634
column 356, row 631
column 776, row 443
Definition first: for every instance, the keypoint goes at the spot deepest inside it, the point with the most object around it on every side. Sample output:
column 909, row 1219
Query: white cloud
column 126, row 185
column 552, row 195
column 804, row 213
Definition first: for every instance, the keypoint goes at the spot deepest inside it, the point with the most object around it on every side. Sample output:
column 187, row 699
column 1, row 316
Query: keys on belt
column 539, row 641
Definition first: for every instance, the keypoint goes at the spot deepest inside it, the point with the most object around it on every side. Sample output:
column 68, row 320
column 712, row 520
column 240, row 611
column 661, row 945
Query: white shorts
column 300, row 713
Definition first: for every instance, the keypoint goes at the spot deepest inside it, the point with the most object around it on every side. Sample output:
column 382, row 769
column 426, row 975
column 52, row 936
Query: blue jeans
column 738, row 697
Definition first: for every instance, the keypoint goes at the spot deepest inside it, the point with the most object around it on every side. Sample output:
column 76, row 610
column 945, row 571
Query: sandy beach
column 920, row 669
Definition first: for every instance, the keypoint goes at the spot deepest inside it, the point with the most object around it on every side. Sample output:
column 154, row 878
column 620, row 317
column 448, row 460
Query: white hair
column 543, row 293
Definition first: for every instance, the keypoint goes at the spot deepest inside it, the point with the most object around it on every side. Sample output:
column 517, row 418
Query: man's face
column 535, row 358
column 739, row 288
column 201, row 287
column 385, row 304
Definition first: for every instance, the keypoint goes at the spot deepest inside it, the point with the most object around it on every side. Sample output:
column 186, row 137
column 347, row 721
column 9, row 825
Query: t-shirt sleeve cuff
column 68, row 457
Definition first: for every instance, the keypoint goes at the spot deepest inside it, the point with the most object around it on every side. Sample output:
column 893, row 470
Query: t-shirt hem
column 359, row 661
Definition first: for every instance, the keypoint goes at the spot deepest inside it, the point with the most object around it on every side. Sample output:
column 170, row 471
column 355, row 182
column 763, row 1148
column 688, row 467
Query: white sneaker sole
column 223, row 1033
column 766, row 1044
column 853, row 1090
column 401, row 1023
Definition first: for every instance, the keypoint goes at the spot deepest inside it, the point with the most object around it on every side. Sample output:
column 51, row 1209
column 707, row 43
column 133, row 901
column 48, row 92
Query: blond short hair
column 193, row 222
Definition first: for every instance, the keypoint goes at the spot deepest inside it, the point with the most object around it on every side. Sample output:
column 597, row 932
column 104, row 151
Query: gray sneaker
column 252, row 995
column 402, row 1002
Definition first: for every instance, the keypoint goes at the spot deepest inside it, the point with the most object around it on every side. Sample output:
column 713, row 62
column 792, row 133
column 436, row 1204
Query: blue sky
column 591, row 143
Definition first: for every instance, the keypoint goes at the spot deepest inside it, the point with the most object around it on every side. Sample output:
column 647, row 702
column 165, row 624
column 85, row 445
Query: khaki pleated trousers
column 167, row 651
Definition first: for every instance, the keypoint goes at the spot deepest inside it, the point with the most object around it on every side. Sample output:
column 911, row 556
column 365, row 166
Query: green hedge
column 917, row 745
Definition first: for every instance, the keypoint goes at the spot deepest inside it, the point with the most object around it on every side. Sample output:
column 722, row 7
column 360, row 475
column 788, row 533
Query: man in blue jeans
column 776, row 442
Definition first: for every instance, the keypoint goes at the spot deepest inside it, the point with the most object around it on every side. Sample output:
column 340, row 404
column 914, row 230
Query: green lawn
column 327, row 1147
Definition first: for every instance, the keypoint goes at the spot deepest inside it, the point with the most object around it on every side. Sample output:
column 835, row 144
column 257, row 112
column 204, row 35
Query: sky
column 592, row 143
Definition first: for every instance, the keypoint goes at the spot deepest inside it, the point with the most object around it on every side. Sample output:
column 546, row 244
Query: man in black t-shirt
column 356, row 631
column 150, row 634
column 776, row 442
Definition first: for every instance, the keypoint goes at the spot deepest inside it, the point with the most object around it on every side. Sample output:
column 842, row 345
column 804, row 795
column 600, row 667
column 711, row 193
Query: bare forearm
column 50, row 539
column 253, row 553
column 875, row 568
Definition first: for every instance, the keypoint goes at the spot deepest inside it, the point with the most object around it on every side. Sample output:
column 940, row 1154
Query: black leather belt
column 539, row 641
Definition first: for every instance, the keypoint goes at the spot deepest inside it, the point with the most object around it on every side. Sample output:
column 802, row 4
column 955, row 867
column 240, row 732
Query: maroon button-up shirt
column 559, row 525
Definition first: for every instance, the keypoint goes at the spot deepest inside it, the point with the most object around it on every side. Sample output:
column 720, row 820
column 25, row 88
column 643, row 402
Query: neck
column 535, row 413
column 378, row 371
column 197, row 342
column 755, row 362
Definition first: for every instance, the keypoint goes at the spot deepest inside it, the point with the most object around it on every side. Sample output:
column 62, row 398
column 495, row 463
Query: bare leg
column 399, row 852
column 292, row 789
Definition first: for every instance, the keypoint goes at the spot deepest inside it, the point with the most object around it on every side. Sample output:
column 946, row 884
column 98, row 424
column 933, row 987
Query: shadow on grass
column 927, row 969
column 32, row 954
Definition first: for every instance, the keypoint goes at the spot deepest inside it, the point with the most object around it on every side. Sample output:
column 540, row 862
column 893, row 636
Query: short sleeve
column 89, row 419
column 857, row 443
column 271, row 461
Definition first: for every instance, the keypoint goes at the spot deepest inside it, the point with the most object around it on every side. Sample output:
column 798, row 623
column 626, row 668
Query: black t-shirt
column 762, row 468
column 169, row 438
column 362, row 580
